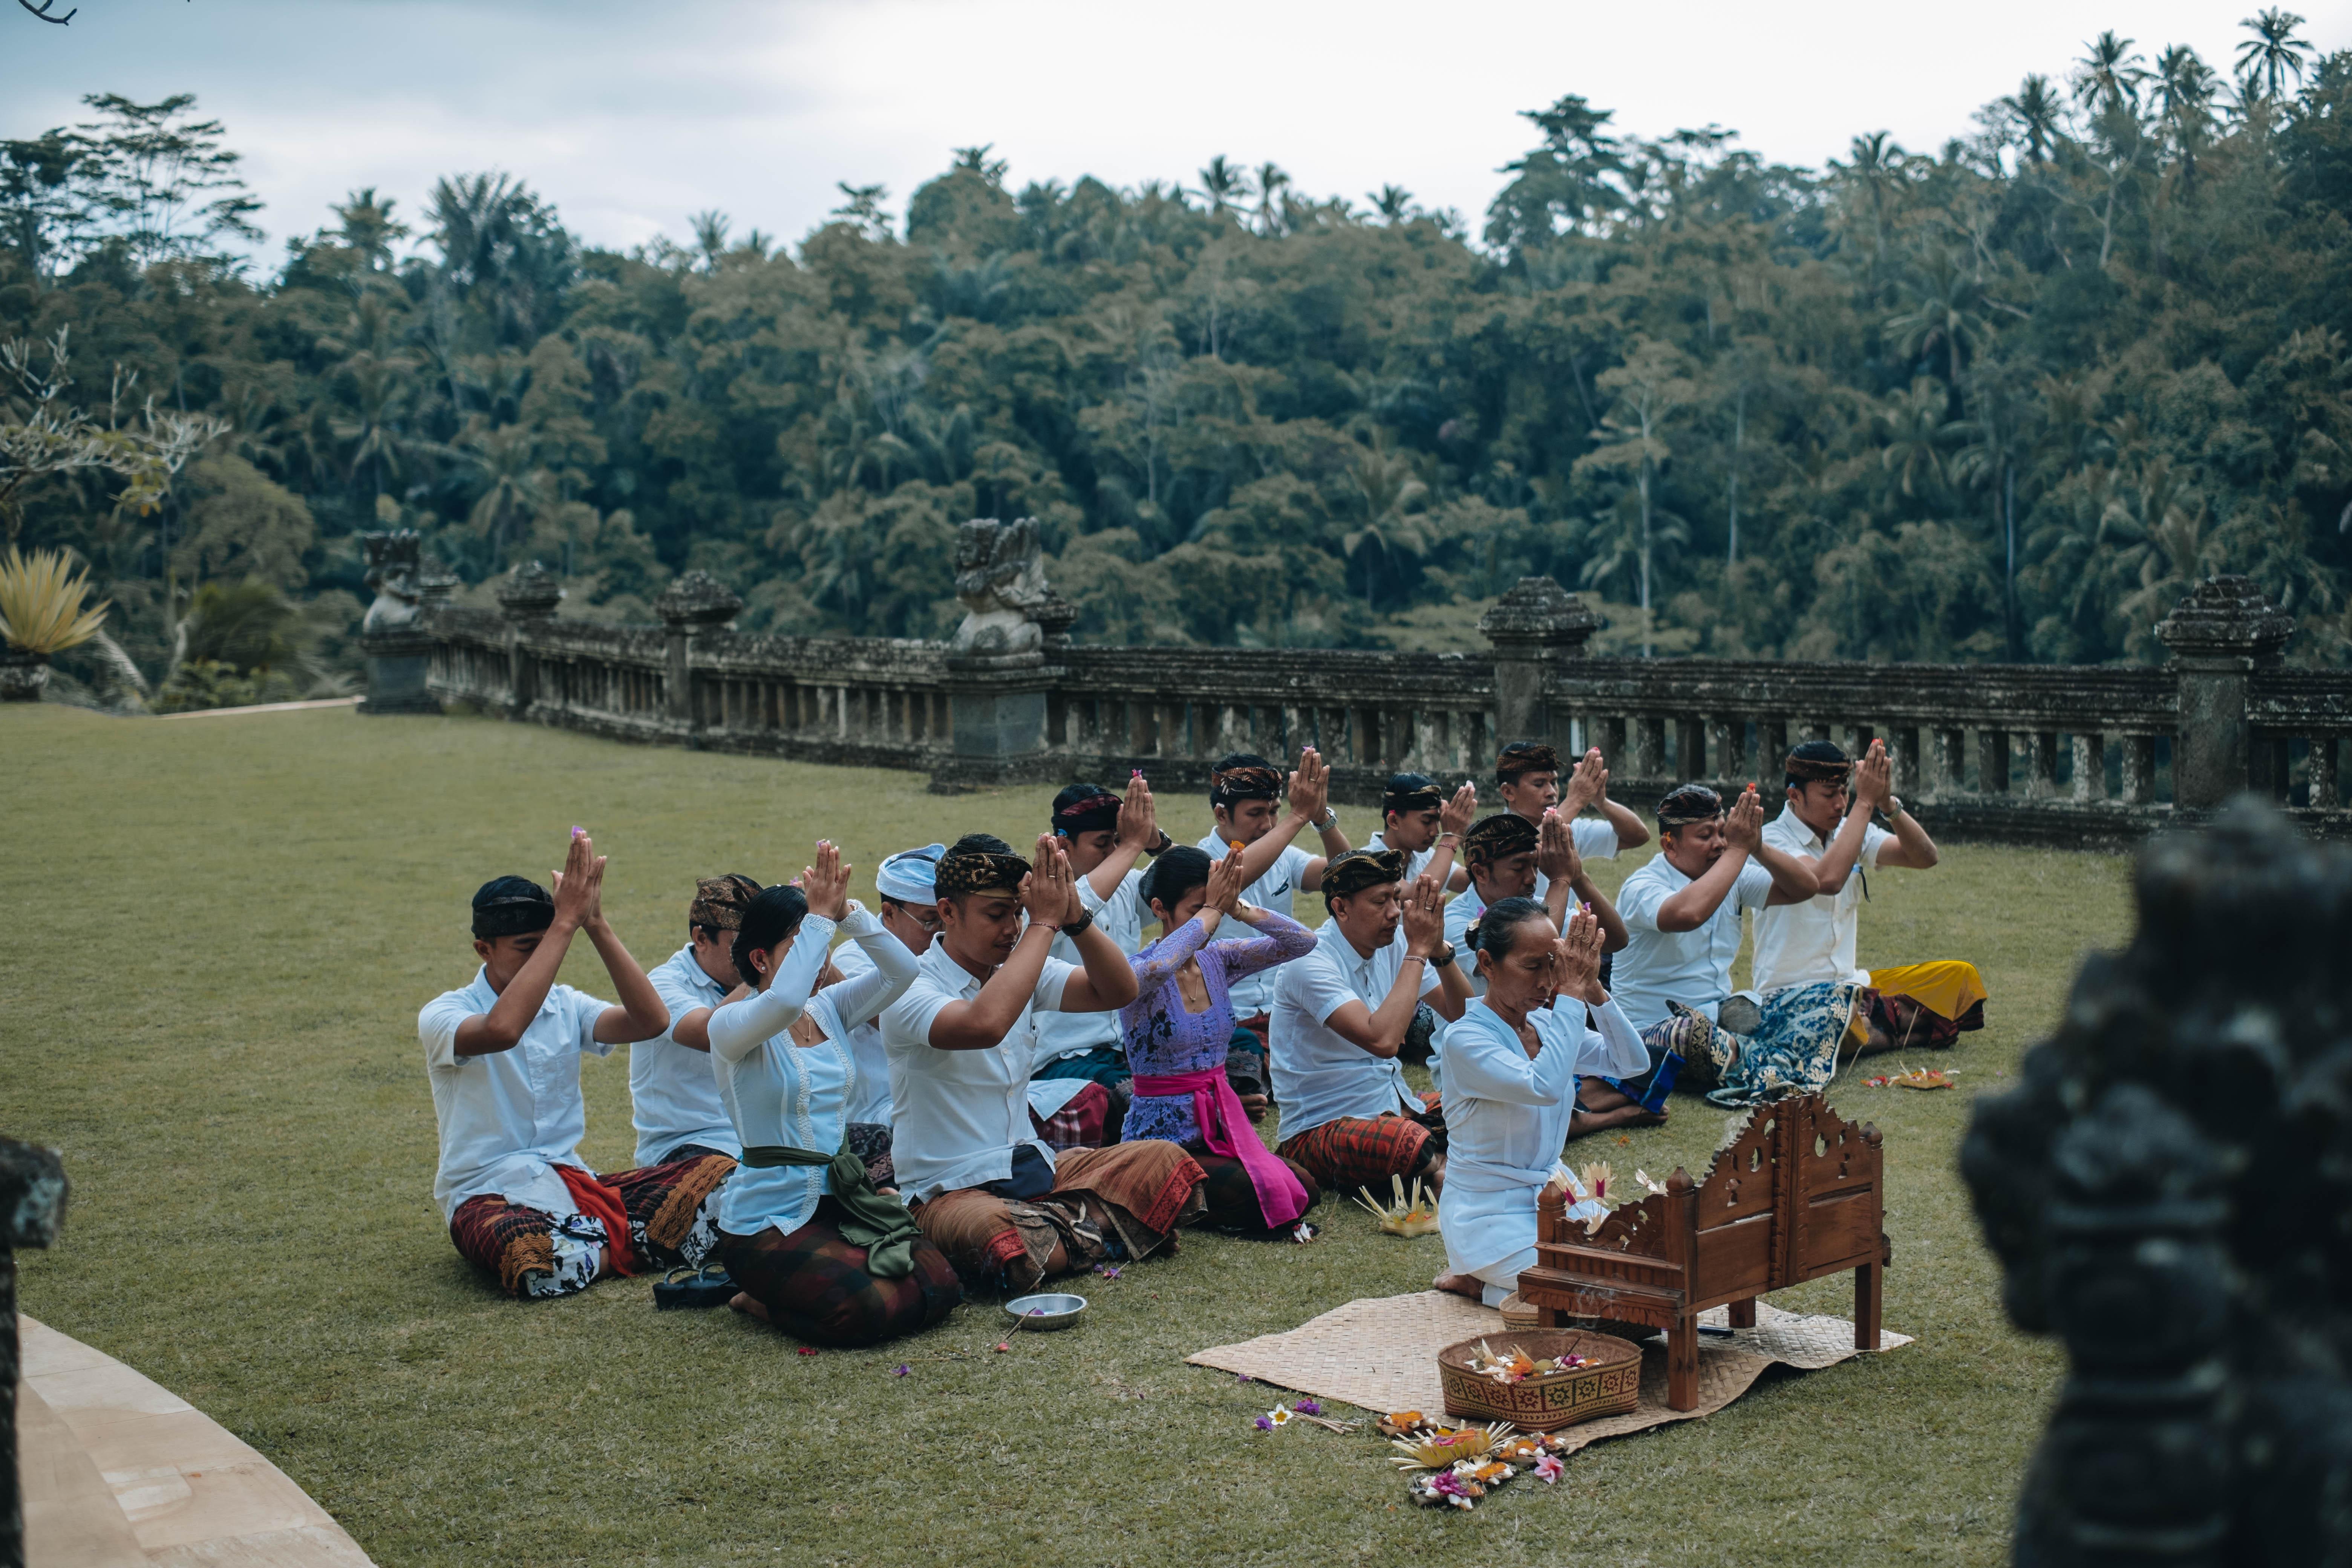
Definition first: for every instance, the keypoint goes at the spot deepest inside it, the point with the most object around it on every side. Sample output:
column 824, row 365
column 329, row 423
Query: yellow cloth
column 1946, row 987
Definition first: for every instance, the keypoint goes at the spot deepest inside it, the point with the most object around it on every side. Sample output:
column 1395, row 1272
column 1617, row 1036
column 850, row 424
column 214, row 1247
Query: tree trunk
column 1643, row 480
column 1738, row 441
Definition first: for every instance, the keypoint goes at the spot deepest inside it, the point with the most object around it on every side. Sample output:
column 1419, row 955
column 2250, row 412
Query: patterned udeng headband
column 1505, row 833
column 1524, row 758
column 1229, row 784
column 1360, row 869
column 1689, row 804
column 963, row 872
column 1810, row 768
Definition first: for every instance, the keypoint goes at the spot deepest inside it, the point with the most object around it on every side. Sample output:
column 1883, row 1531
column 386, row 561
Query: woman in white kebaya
column 1511, row 1066
column 817, row 1249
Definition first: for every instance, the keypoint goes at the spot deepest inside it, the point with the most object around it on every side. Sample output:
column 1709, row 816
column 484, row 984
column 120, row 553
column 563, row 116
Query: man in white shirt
column 673, row 1095
column 503, row 1058
column 1527, row 778
column 1245, row 793
column 1005, row 1208
column 1417, row 817
column 1682, row 920
column 1104, row 834
column 1340, row 1013
column 1827, row 826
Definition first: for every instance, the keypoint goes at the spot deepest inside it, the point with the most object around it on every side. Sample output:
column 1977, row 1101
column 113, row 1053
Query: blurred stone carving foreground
column 2169, row 1189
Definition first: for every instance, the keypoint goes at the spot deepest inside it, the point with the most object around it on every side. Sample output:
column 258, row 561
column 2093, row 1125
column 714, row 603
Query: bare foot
column 1585, row 1122
column 749, row 1305
column 1469, row 1285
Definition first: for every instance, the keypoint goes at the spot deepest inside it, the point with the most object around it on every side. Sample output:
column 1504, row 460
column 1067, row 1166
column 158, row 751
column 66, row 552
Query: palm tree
column 2273, row 53
column 508, row 459
column 1652, row 386
column 1393, row 203
column 861, row 207
column 365, row 224
column 2108, row 78
column 1271, row 183
column 1947, row 313
column 1387, row 485
column 709, row 236
column 1225, row 186
column 1916, row 432
column 977, row 161
column 2038, row 112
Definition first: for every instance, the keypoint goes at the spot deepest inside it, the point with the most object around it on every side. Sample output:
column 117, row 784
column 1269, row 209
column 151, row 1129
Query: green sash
column 875, row 1221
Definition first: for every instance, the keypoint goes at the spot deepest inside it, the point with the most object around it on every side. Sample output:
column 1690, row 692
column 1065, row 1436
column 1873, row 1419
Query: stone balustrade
column 2024, row 754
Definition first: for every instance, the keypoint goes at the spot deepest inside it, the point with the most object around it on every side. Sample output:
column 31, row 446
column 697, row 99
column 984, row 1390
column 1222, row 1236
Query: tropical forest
column 2001, row 399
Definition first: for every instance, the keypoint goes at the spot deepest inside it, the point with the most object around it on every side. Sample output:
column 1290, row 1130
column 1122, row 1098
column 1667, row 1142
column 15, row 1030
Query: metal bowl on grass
column 1051, row 1311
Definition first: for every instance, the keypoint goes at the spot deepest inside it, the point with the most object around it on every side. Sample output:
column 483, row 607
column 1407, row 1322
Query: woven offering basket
column 1547, row 1401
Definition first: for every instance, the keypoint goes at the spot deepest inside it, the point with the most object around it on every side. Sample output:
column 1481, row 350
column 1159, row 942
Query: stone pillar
column 691, row 605
column 395, row 636
column 1533, row 628
column 528, row 598
column 2220, row 635
column 996, row 704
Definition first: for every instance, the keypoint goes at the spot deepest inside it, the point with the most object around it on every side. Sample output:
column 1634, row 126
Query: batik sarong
column 816, row 1287
column 672, row 1220
column 1793, row 1051
column 1090, row 1119
column 1365, row 1152
column 870, row 1141
column 1105, row 1205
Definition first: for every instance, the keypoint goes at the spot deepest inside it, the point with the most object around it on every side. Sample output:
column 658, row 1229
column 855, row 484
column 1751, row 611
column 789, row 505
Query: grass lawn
column 219, row 932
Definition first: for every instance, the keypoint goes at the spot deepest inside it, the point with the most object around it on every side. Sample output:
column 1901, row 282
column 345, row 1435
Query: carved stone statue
column 1001, row 578
column 398, row 580
column 2169, row 1189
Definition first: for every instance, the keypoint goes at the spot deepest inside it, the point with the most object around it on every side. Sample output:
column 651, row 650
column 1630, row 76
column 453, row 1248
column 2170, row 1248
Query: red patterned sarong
column 1359, row 1151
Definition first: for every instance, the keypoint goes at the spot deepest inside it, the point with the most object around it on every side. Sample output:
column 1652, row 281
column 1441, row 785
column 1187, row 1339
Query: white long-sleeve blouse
column 780, row 1093
column 1506, row 1117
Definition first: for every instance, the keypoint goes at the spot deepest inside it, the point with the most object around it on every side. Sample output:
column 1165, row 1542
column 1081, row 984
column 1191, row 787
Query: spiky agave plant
column 41, row 599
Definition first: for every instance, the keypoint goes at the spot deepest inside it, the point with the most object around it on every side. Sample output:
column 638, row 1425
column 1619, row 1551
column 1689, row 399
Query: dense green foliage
column 2001, row 401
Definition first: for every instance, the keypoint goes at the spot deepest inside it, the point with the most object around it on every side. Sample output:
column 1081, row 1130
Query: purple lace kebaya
column 1164, row 1039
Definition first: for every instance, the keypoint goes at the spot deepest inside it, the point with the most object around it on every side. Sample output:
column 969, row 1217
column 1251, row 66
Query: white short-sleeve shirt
column 1692, row 967
column 1119, row 917
column 1416, row 861
column 1801, row 944
column 957, row 1116
column 870, row 1101
column 673, row 1093
column 1320, row 1074
column 509, row 1118
column 1253, row 993
column 1595, row 839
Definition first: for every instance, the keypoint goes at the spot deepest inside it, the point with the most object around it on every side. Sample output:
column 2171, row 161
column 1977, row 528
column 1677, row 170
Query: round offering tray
column 1054, row 1309
column 1610, row 1383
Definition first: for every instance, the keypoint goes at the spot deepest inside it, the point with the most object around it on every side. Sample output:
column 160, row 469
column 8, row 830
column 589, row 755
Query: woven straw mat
column 1379, row 1352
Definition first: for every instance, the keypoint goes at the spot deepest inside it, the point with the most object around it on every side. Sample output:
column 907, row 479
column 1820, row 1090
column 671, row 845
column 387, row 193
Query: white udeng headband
column 907, row 874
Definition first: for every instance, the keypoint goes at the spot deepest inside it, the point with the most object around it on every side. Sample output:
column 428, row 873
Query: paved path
column 122, row 1473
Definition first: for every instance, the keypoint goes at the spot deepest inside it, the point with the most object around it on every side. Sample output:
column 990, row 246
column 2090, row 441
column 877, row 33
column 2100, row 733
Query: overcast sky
column 631, row 116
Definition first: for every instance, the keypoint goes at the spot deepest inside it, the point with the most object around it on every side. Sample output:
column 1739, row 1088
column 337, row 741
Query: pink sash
column 1225, row 1128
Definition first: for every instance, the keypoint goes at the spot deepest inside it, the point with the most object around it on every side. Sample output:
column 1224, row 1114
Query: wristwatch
column 1442, row 956
column 1078, row 927
column 1327, row 821
column 1161, row 848
column 1891, row 807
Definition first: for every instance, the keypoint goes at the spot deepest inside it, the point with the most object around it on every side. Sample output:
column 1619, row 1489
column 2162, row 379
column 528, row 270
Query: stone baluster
column 1690, row 747
column 1902, row 746
column 1992, row 762
column 33, row 1191
column 2323, row 774
column 2138, row 770
column 1534, row 629
column 2041, row 764
column 1771, row 757
column 2090, row 782
column 2220, row 635
column 1646, row 758
column 1727, row 748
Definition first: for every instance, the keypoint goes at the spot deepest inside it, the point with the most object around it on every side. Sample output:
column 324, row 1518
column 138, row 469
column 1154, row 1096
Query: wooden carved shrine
column 1798, row 1194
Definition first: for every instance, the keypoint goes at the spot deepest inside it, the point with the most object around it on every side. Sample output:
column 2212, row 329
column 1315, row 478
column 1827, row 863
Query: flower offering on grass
column 1308, row 1407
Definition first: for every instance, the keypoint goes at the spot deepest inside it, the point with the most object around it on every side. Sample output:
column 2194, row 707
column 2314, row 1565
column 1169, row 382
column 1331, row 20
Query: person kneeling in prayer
column 1510, row 1086
column 1910, row 1007
column 1104, row 834
column 819, row 1250
column 1682, row 919
column 1340, row 1019
column 1005, row 1209
column 673, row 1096
column 1178, row 1031
column 503, row 1057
